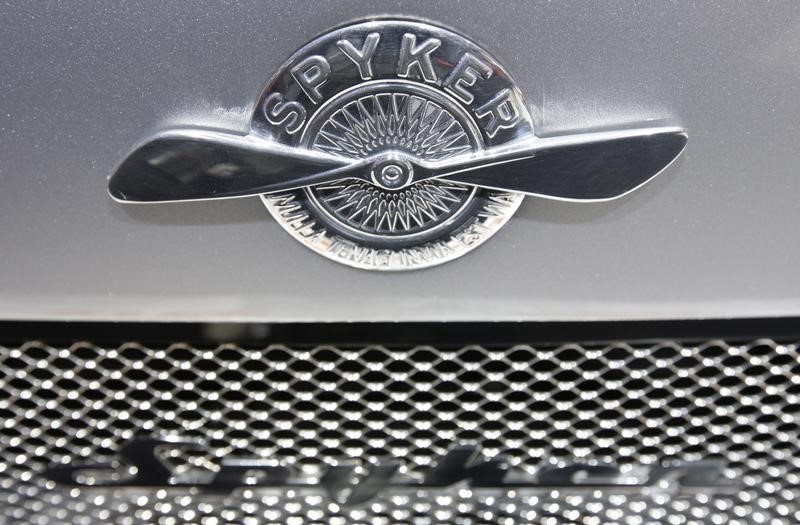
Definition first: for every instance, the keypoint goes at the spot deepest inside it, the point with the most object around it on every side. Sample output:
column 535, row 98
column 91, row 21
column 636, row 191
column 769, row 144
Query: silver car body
column 713, row 236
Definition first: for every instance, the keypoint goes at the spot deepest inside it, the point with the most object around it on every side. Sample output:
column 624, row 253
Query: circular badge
column 392, row 86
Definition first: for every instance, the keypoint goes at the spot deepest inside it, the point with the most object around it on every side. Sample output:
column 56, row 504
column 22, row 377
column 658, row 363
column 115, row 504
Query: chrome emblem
column 392, row 145
column 346, row 484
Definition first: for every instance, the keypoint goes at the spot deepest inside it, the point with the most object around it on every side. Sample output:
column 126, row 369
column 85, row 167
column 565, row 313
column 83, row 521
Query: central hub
column 392, row 174
column 391, row 123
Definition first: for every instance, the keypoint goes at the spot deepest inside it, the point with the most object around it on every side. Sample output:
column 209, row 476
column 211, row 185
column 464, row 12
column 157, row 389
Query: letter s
column 280, row 112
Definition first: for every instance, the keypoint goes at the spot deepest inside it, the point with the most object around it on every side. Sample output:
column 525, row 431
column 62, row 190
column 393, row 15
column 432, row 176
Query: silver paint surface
column 715, row 235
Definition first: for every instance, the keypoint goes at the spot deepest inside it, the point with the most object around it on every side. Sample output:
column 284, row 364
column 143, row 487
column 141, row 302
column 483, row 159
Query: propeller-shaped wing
column 188, row 165
column 583, row 167
column 185, row 165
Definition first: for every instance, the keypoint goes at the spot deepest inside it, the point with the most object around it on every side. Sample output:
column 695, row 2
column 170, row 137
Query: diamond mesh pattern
column 622, row 403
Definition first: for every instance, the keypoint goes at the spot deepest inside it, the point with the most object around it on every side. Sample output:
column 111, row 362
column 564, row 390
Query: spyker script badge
column 344, row 484
column 392, row 145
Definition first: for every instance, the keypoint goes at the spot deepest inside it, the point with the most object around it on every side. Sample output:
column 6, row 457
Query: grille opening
column 631, row 403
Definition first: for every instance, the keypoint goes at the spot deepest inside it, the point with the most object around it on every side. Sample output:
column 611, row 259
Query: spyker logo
column 141, row 467
column 391, row 145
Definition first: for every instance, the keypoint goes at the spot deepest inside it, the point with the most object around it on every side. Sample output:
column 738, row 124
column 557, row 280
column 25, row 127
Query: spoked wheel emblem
column 392, row 145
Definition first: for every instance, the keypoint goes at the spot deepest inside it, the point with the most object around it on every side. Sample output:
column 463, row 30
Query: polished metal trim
column 196, row 164
column 189, row 165
column 358, row 147
column 462, row 464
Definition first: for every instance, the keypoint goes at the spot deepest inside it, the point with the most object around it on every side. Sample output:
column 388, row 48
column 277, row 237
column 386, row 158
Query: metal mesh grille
column 622, row 403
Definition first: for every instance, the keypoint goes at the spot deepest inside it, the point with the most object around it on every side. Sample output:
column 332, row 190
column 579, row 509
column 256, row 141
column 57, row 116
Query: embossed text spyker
column 393, row 145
